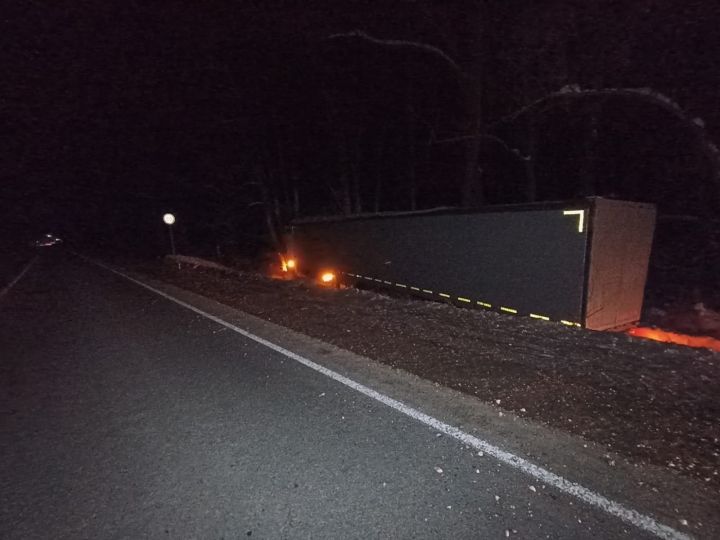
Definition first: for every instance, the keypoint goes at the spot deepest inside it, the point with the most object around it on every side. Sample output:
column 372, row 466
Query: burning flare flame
column 679, row 339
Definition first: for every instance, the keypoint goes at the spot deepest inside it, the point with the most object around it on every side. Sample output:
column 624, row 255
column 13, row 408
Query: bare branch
column 514, row 151
column 574, row 91
column 401, row 43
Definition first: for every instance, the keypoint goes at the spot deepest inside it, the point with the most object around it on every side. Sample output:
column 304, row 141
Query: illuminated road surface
column 128, row 416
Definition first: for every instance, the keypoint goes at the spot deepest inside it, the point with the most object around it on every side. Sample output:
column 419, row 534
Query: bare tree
column 695, row 127
column 470, row 93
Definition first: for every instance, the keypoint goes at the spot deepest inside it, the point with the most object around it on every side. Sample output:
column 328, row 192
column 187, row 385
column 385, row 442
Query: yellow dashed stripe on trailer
column 463, row 299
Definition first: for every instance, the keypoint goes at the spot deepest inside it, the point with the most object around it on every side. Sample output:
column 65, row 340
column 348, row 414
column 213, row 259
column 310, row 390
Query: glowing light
column 507, row 309
column 464, row 299
column 401, row 285
column 428, row 291
column 169, row 219
column 327, row 277
column 444, row 295
column 541, row 317
column 288, row 264
column 484, row 304
column 581, row 216
column 568, row 323
column 656, row 334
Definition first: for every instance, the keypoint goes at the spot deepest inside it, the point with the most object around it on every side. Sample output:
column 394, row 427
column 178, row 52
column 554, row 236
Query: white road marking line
column 10, row 285
column 628, row 515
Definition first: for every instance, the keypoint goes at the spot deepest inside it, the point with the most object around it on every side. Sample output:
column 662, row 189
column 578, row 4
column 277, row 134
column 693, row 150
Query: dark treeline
column 239, row 116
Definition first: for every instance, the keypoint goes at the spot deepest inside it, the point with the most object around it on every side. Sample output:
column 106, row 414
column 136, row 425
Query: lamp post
column 169, row 219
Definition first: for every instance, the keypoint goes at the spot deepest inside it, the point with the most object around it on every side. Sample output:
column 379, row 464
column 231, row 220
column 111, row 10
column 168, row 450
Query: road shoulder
column 648, row 489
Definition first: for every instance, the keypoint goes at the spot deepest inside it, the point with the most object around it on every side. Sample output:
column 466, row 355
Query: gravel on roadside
column 650, row 402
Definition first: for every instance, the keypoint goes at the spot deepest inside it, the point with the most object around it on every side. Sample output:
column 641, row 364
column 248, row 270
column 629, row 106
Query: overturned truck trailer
column 582, row 263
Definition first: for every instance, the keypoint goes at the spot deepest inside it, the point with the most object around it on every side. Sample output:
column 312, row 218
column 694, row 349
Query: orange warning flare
column 288, row 264
column 679, row 339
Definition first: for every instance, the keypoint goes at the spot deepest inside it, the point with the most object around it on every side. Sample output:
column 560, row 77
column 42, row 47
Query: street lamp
column 169, row 219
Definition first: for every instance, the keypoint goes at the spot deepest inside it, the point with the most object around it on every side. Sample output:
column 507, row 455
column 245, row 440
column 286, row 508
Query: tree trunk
column 273, row 233
column 296, row 200
column 378, row 171
column 529, row 162
column 345, row 178
column 357, row 197
column 346, row 194
column 378, row 194
column 412, row 173
column 354, row 167
column 269, row 209
column 270, row 193
column 588, row 174
column 473, row 192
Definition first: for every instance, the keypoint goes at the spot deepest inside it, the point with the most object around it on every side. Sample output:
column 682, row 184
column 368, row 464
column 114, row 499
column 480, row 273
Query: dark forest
column 241, row 116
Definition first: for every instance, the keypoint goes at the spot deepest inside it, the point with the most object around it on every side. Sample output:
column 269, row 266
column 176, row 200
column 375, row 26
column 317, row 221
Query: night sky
column 233, row 113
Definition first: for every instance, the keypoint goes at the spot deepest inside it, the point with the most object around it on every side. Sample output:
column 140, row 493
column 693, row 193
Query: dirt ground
column 650, row 402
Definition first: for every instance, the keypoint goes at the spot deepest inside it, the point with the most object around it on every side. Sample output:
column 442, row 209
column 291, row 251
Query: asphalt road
column 125, row 415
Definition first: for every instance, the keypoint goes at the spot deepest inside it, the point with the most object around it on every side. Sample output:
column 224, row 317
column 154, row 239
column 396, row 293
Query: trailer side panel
column 530, row 261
